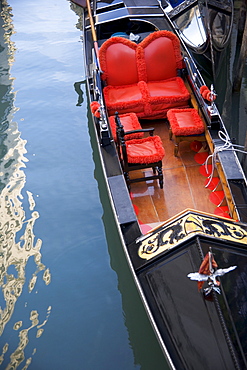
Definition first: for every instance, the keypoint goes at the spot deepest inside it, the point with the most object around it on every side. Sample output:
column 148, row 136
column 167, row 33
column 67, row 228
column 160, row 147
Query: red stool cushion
column 130, row 122
column 185, row 122
column 147, row 150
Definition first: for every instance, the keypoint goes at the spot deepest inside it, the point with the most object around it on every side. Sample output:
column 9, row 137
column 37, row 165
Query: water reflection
column 17, row 240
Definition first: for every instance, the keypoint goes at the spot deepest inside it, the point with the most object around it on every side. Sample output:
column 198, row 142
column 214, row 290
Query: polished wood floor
column 183, row 184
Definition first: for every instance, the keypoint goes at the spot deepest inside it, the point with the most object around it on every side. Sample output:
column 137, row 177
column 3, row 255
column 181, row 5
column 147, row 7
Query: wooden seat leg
column 176, row 148
column 161, row 178
column 170, row 133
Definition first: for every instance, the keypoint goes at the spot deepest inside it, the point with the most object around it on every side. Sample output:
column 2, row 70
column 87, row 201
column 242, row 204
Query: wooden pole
column 86, row 4
column 241, row 58
column 244, row 160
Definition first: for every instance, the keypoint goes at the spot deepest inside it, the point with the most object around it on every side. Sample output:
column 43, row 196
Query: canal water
column 63, row 306
column 67, row 298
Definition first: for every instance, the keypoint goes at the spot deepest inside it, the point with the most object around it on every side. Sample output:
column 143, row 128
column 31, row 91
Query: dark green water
column 67, row 298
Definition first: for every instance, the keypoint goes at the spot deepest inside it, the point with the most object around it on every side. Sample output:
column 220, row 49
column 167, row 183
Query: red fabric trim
column 144, row 91
column 141, row 65
column 182, row 127
column 130, row 122
column 207, row 94
column 203, row 88
column 145, row 151
column 95, row 108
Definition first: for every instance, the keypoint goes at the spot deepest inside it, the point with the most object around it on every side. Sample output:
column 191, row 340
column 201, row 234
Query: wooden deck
column 184, row 186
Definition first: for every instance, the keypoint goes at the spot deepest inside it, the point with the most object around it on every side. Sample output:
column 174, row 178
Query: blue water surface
column 80, row 306
column 67, row 297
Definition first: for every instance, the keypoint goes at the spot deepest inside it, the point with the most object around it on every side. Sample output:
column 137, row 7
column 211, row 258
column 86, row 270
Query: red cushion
column 147, row 150
column 185, row 122
column 162, row 55
column 123, row 99
column 152, row 99
column 130, row 122
column 118, row 61
column 172, row 89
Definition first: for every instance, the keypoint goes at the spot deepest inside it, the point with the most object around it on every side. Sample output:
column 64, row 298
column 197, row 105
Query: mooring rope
column 228, row 145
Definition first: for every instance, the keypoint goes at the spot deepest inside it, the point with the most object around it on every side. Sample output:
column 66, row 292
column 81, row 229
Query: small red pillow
column 147, row 150
column 185, row 122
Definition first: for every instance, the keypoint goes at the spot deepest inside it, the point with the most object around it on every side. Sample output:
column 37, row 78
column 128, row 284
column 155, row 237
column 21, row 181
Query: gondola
column 205, row 26
column 174, row 181
column 201, row 23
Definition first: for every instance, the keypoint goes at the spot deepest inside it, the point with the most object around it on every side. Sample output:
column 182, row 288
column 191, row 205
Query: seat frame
column 178, row 139
column 126, row 166
column 185, row 137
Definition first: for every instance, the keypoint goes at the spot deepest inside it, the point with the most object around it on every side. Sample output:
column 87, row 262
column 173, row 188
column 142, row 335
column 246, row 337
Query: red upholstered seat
column 185, row 125
column 140, row 154
column 130, row 122
column 143, row 78
column 124, row 100
column 147, row 150
column 185, row 122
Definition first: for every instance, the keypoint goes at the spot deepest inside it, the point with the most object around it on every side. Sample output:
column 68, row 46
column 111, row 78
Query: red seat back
column 162, row 56
column 156, row 58
column 118, row 61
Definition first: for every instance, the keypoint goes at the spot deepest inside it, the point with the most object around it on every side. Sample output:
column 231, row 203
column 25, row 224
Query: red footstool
column 185, row 125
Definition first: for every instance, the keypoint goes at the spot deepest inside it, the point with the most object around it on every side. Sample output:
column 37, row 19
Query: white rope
column 226, row 146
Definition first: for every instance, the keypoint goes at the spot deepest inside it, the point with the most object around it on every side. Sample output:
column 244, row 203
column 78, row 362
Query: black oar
column 210, row 41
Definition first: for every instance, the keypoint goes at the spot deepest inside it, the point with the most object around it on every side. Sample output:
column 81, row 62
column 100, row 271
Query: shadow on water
column 18, row 245
column 146, row 350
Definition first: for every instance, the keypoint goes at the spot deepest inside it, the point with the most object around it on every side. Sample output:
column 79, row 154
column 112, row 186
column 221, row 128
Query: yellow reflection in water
column 18, row 243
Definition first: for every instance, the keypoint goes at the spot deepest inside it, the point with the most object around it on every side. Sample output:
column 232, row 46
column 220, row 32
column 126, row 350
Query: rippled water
column 63, row 306
column 67, row 298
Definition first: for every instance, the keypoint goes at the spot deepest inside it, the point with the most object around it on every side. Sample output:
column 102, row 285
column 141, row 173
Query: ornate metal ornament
column 209, row 273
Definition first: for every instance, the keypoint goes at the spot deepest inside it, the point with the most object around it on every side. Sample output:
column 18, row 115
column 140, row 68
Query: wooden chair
column 129, row 122
column 138, row 154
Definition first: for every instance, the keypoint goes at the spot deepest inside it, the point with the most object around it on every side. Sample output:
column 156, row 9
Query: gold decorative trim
column 187, row 225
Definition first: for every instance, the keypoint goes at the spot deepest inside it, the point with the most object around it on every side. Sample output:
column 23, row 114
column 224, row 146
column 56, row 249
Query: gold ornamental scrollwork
column 187, row 226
